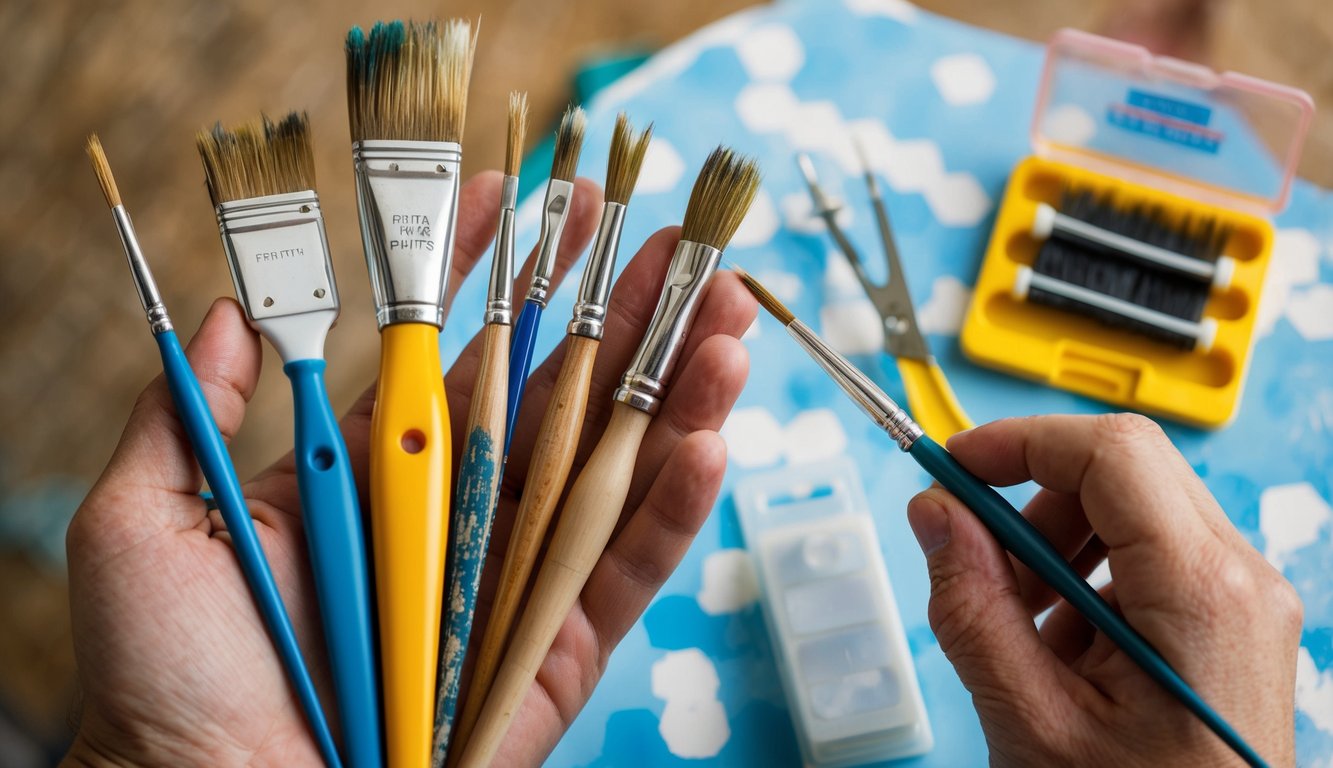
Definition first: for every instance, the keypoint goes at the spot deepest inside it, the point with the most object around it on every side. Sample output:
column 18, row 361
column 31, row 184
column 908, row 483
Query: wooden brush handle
column 409, row 512
column 589, row 517
column 552, row 457
column 479, row 471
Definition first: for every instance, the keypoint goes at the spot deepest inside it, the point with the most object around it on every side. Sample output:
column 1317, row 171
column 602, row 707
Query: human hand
column 174, row 663
column 1112, row 488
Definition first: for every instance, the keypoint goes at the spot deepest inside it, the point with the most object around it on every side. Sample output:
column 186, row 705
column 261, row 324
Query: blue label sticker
column 1164, row 128
column 1169, row 107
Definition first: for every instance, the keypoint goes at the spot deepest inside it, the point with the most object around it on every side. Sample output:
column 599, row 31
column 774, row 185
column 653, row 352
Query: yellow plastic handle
column 409, row 507
column 931, row 401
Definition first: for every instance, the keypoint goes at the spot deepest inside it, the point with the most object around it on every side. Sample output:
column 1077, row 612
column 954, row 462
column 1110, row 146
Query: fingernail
column 930, row 524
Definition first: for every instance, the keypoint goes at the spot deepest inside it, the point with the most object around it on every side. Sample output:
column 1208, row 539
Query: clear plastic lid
column 1113, row 107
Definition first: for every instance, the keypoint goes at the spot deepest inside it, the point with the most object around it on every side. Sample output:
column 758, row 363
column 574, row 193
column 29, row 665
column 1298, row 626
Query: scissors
column 930, row 398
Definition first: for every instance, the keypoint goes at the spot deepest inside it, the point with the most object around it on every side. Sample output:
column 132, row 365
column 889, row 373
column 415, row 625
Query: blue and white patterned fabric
column 943, row 110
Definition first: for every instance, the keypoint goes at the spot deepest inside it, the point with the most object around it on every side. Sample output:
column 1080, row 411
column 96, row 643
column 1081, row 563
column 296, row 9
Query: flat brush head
column 257, row 158
column 409, row 81
column 568, row 143
column 627, row 152
column 766, row 298
column 518, row 129
column 103, row 170
column 720, row 199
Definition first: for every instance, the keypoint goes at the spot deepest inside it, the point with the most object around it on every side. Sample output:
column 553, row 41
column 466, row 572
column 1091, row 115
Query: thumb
column 154, row 452
column 978, row 615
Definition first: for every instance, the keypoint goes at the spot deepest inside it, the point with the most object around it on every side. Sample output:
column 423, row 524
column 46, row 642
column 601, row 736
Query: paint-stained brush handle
column 409, row 505
column 339, row 560
column 552, row 458
column 520, row 362
column 1030, row 547
column 473, row 514
column 586, row 524
column 211, row 452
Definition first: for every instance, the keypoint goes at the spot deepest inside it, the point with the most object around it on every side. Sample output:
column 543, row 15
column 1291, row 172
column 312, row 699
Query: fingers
column 1059, row 517
column 980, row 620
column 153, row 461
column 478, row 211
column 1132, row 482
column 655, row 538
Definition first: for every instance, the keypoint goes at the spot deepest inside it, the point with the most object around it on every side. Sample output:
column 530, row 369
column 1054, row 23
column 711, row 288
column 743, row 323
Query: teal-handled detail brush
column 215, row 463
column 1005, row 523
column 261, row 178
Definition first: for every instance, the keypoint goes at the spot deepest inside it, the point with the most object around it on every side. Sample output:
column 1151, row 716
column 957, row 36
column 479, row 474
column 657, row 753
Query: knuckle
column 1128, row 428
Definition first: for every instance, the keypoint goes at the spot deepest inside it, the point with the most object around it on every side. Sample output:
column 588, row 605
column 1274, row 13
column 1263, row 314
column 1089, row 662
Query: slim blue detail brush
column 555, row 211
column 1005, row 523
column 215, row 463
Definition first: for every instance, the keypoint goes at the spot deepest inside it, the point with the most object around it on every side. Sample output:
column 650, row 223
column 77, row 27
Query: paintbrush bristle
column 766, row 298
column 518, row 129
column 257, row 158
column 103, row 170
column 409, row 81
column 568, row 143
column 720, row 199
column 625, row 160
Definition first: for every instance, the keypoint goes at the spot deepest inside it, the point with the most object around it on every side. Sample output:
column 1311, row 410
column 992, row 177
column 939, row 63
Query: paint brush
column 555, row 211
column 722, row 194
column 1006, row 524
column 407, row 98
column 261, row 179
column 211, row 452
column 558, row 437
column 483, row 454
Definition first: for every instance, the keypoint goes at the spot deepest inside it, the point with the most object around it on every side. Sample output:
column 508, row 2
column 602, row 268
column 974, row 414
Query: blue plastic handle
column 1021, row 538
column 215, row 462
column 520, row 360
column 333, row 526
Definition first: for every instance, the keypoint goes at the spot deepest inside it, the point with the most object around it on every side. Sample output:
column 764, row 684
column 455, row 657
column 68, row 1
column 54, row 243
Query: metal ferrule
column 864, row 392
column 559, row 196
column 407, row 194
column 278, row 254
column 149, row 297
column 645, row 382
column 500, row 298
column 595, row 287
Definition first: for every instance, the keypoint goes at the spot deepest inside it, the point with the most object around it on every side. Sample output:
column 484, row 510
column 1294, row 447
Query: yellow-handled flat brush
column 407, row 97
column 558, row 438
column 721, row 196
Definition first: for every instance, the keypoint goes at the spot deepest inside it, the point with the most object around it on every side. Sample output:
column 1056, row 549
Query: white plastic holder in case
column 841, row 651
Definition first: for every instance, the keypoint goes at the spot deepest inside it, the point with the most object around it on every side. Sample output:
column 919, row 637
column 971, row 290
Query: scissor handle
column 931, row 400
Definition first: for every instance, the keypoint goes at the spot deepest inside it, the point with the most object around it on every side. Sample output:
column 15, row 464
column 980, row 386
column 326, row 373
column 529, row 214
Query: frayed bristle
column 568, row 143
column 103, row 170
column 518, row 129
column 720, row 199
column 409, row 81
column 766, row 298
column 257, row 158
column 626, row 158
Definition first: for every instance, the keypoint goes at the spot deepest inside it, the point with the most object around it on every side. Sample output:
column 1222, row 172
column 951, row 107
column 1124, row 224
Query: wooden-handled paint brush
column 483, row 452
column 1006, row 524
column 721, row 196
column 261, row 179
column 211, row 452
column 555, row 211
column 407, row 97
column 558, row 438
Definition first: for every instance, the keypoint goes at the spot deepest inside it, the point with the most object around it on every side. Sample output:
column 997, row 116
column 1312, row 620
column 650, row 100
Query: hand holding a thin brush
column 1113, row 487
column 174, row 664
